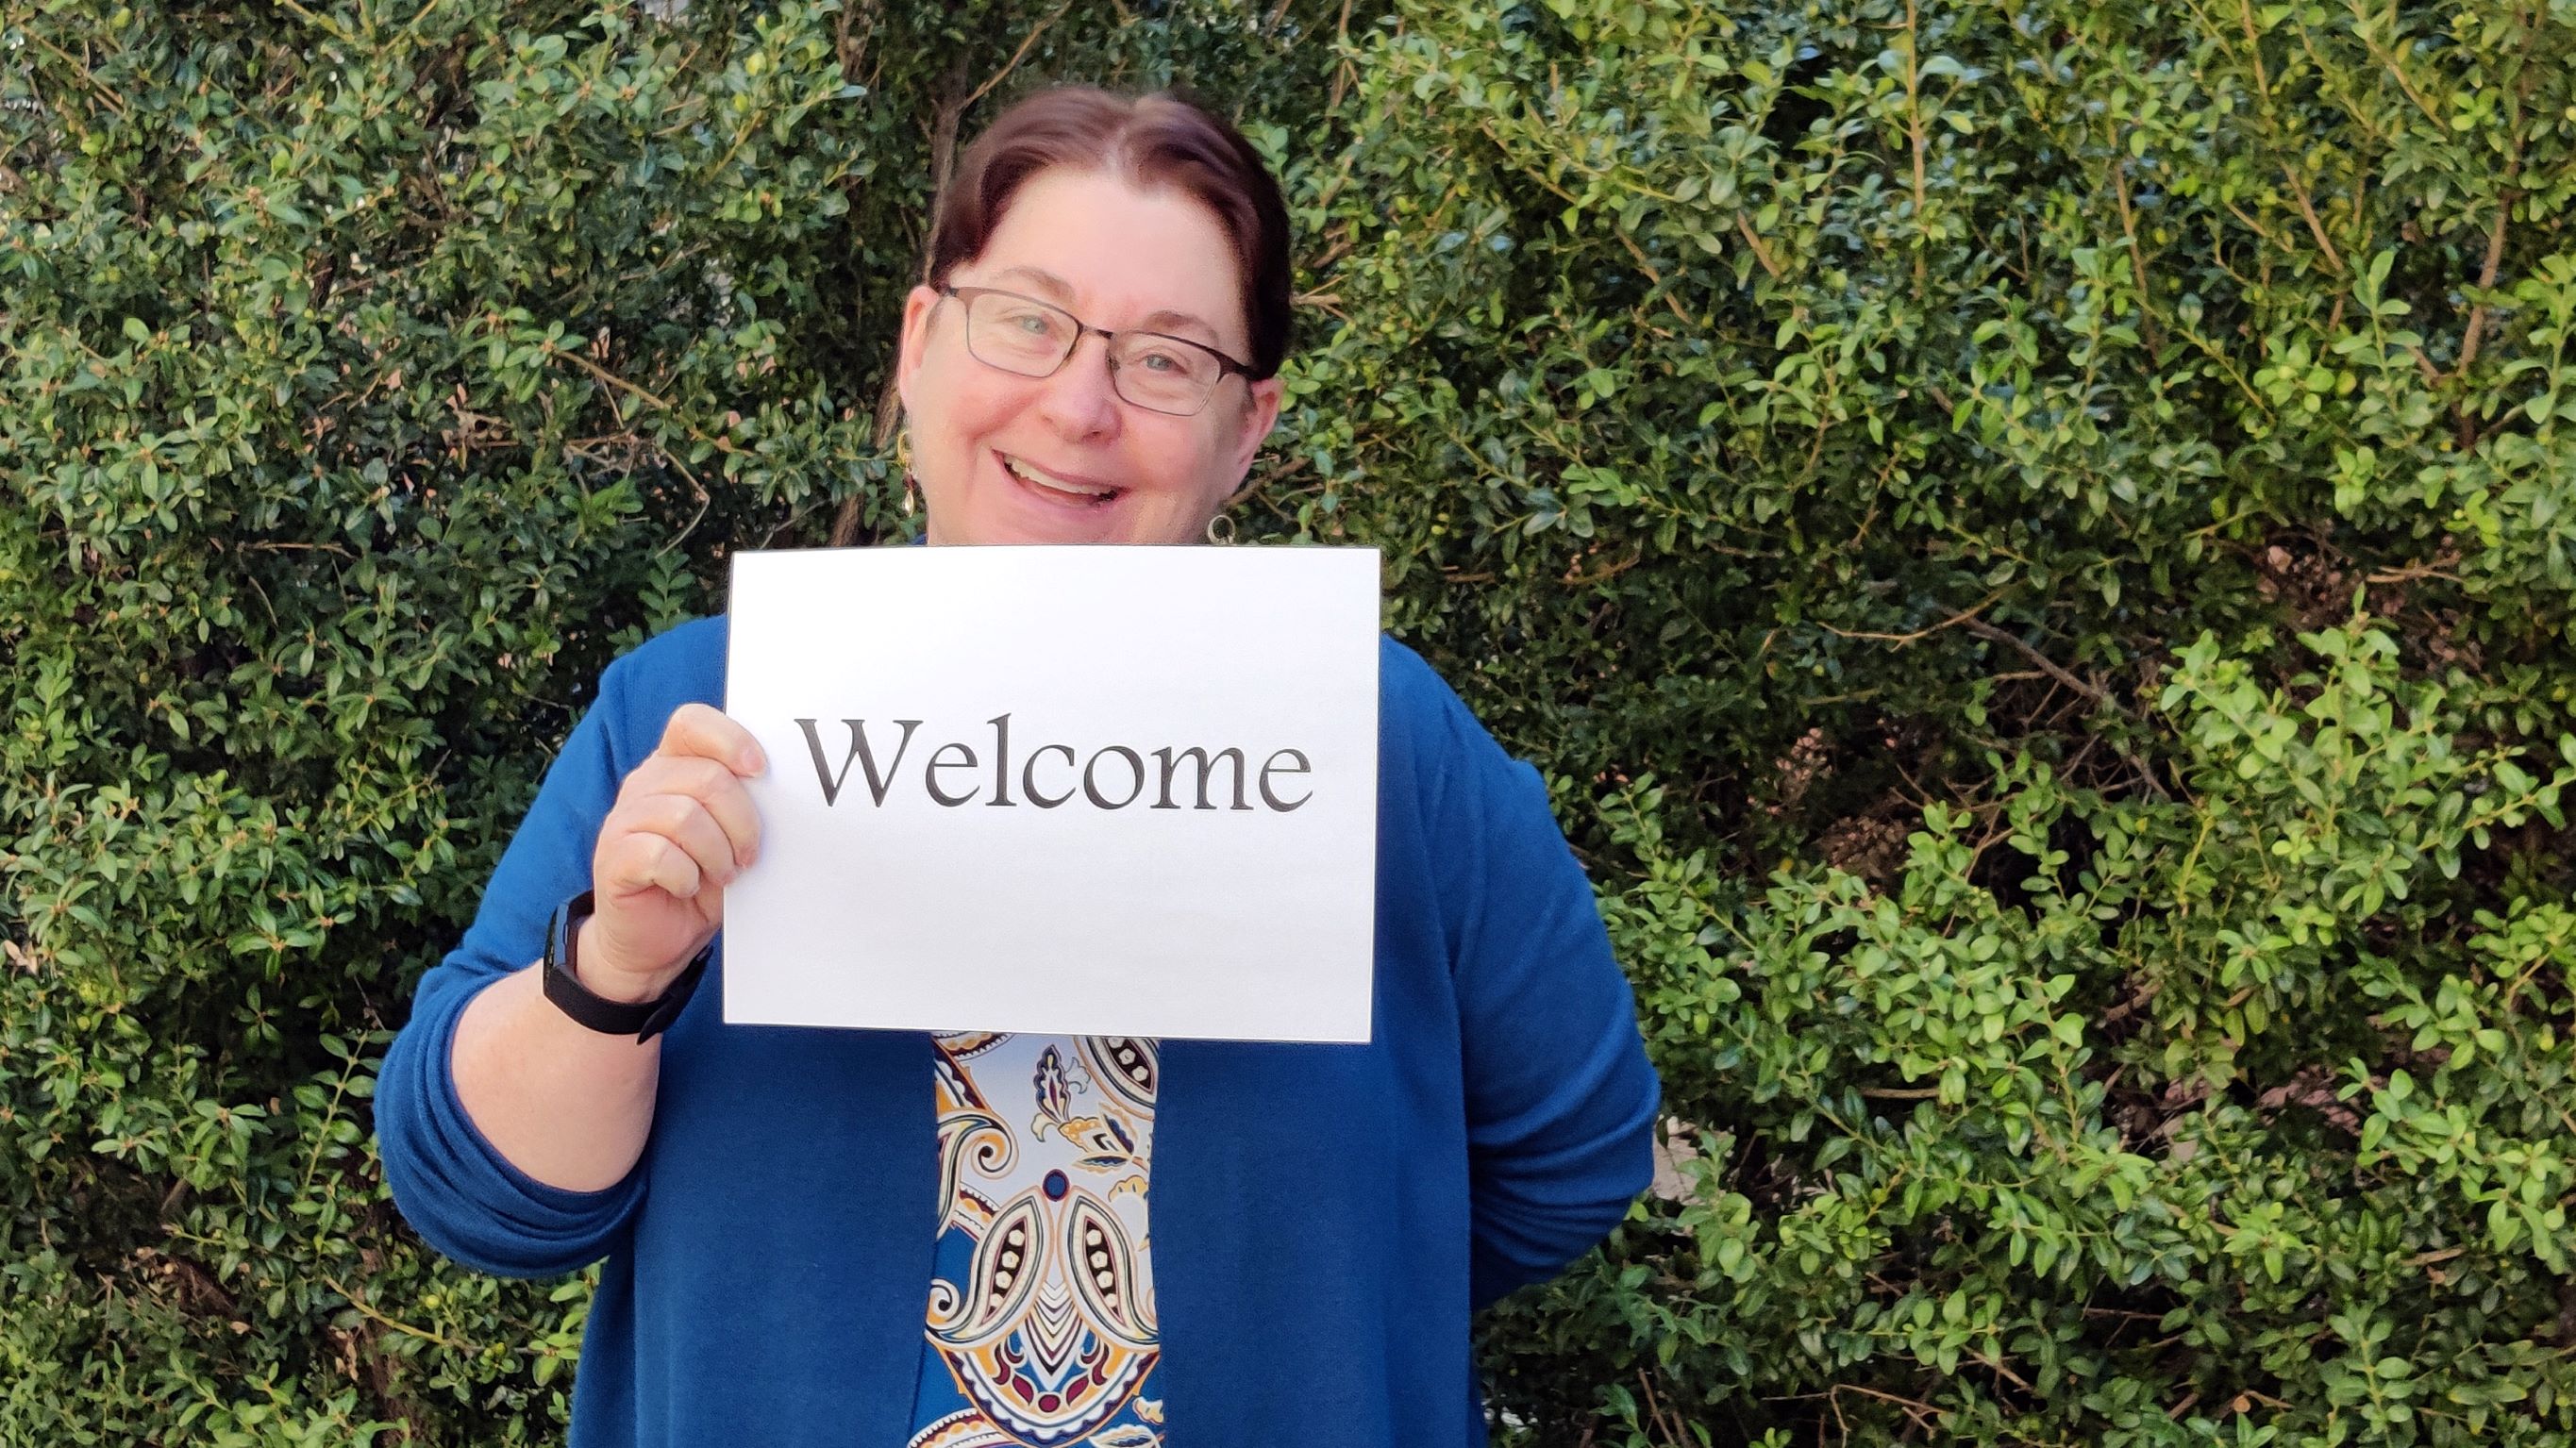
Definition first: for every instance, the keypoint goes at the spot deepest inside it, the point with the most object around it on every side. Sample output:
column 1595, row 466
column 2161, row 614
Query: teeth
column 1027, row 473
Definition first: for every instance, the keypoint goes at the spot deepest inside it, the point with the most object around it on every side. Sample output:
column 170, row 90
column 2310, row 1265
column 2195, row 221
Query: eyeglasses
column 1156, row 372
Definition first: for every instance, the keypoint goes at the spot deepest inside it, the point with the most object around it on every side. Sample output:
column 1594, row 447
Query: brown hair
column 1154, row 140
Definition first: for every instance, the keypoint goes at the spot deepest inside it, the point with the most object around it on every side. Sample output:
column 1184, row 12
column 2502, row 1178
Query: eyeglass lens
column 1033, row 339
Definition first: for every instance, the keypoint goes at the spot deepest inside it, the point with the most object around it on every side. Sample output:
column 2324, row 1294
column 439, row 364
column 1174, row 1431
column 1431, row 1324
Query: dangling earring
column 1220, row 535
column 903, row 466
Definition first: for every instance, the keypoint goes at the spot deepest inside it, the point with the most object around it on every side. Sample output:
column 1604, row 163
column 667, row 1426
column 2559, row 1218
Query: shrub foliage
column 2036, row 540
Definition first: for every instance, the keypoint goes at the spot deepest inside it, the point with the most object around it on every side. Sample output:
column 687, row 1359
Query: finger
column 714, row 786
column 731, row 807
column 636, row 862
column 708, row 733
column 686, row 822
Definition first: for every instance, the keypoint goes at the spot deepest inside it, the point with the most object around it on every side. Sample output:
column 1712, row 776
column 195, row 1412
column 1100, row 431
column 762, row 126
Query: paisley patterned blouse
column 1041, row 1329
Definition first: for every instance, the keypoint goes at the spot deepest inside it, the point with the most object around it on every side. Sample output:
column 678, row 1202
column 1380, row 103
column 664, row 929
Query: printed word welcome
column 1111, row 777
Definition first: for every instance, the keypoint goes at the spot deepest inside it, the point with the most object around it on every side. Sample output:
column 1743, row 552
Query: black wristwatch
column 641, row 1019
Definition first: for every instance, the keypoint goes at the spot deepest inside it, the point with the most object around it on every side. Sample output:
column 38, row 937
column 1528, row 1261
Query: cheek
column 1214, row 453
column 1185, row 465
column 957, row 408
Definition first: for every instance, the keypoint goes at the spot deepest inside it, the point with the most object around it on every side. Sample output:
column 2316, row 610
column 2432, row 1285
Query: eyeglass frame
column 965, row 298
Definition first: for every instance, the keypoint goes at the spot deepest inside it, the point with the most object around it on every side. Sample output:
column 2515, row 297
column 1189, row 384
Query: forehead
column 1118, row 255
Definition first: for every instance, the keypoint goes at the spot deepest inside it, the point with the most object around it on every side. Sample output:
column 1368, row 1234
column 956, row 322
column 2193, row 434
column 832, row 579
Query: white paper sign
column 1098, row 791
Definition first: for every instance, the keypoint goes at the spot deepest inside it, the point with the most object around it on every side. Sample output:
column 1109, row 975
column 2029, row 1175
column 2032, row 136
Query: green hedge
column 2036, row 542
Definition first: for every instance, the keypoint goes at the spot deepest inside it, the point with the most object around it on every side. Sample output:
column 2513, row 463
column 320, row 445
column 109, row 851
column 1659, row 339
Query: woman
column 876, row 1238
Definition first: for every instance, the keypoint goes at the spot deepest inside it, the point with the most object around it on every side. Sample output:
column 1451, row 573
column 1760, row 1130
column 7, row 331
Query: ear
column 1260, row 415
column 917, row 309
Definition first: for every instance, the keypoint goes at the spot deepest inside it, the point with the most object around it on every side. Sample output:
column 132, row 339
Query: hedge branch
column 1654, row 278
column 2254, row 51
column 1966, row 616
column 2137, row 254
column 2041, row 661
column 997, row 77
column 405, row 1328
column 2388, row 61
column 657, row 403
column 1753, row 239
column 2474, row 333
column 1915, row 140
column 2308, row 209
column 93, row 82
column 1343, row 73
column 887, row 416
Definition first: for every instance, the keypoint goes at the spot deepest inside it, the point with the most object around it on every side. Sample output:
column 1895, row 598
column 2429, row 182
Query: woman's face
column 1115, row 257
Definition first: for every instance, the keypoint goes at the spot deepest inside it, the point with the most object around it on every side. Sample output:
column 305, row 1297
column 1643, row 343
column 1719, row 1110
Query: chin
column 999, row 510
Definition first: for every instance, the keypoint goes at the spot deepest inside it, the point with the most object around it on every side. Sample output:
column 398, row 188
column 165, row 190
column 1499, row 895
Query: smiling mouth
column 1090, row 495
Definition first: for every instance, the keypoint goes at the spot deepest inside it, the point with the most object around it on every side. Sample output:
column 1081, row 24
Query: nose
column 1079, row 401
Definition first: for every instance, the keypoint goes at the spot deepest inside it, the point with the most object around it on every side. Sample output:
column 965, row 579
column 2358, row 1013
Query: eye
column 1161, row 362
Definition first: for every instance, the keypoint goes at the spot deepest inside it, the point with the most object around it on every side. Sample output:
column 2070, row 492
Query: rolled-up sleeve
column 457, row 1191
column 1561, row 1101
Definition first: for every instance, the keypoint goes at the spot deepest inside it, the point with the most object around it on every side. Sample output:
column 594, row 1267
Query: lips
column 1070, row 489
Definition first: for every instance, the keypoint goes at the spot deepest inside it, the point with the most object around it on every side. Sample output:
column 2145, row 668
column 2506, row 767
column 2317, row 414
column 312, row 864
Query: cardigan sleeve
column 457, row 1191
column 1561, row 1101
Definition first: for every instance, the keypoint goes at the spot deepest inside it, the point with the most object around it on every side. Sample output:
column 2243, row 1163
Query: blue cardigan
column 1325, row 1217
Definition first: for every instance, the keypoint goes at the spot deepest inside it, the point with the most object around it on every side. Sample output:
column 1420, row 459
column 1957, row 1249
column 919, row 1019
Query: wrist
column 613, row 1000
column 595, row 965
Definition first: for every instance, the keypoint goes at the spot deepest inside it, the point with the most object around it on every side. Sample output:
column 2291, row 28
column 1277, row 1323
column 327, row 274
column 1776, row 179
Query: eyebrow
column 1062, row 291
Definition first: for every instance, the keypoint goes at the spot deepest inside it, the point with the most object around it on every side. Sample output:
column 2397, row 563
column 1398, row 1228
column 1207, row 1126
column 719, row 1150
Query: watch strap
column 641, row 1019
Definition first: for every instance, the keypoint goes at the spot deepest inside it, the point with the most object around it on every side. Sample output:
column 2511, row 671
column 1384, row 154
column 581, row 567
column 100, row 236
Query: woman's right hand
column 681, row 830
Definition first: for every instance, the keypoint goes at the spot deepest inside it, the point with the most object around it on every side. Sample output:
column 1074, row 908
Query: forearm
column 565, row 1104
